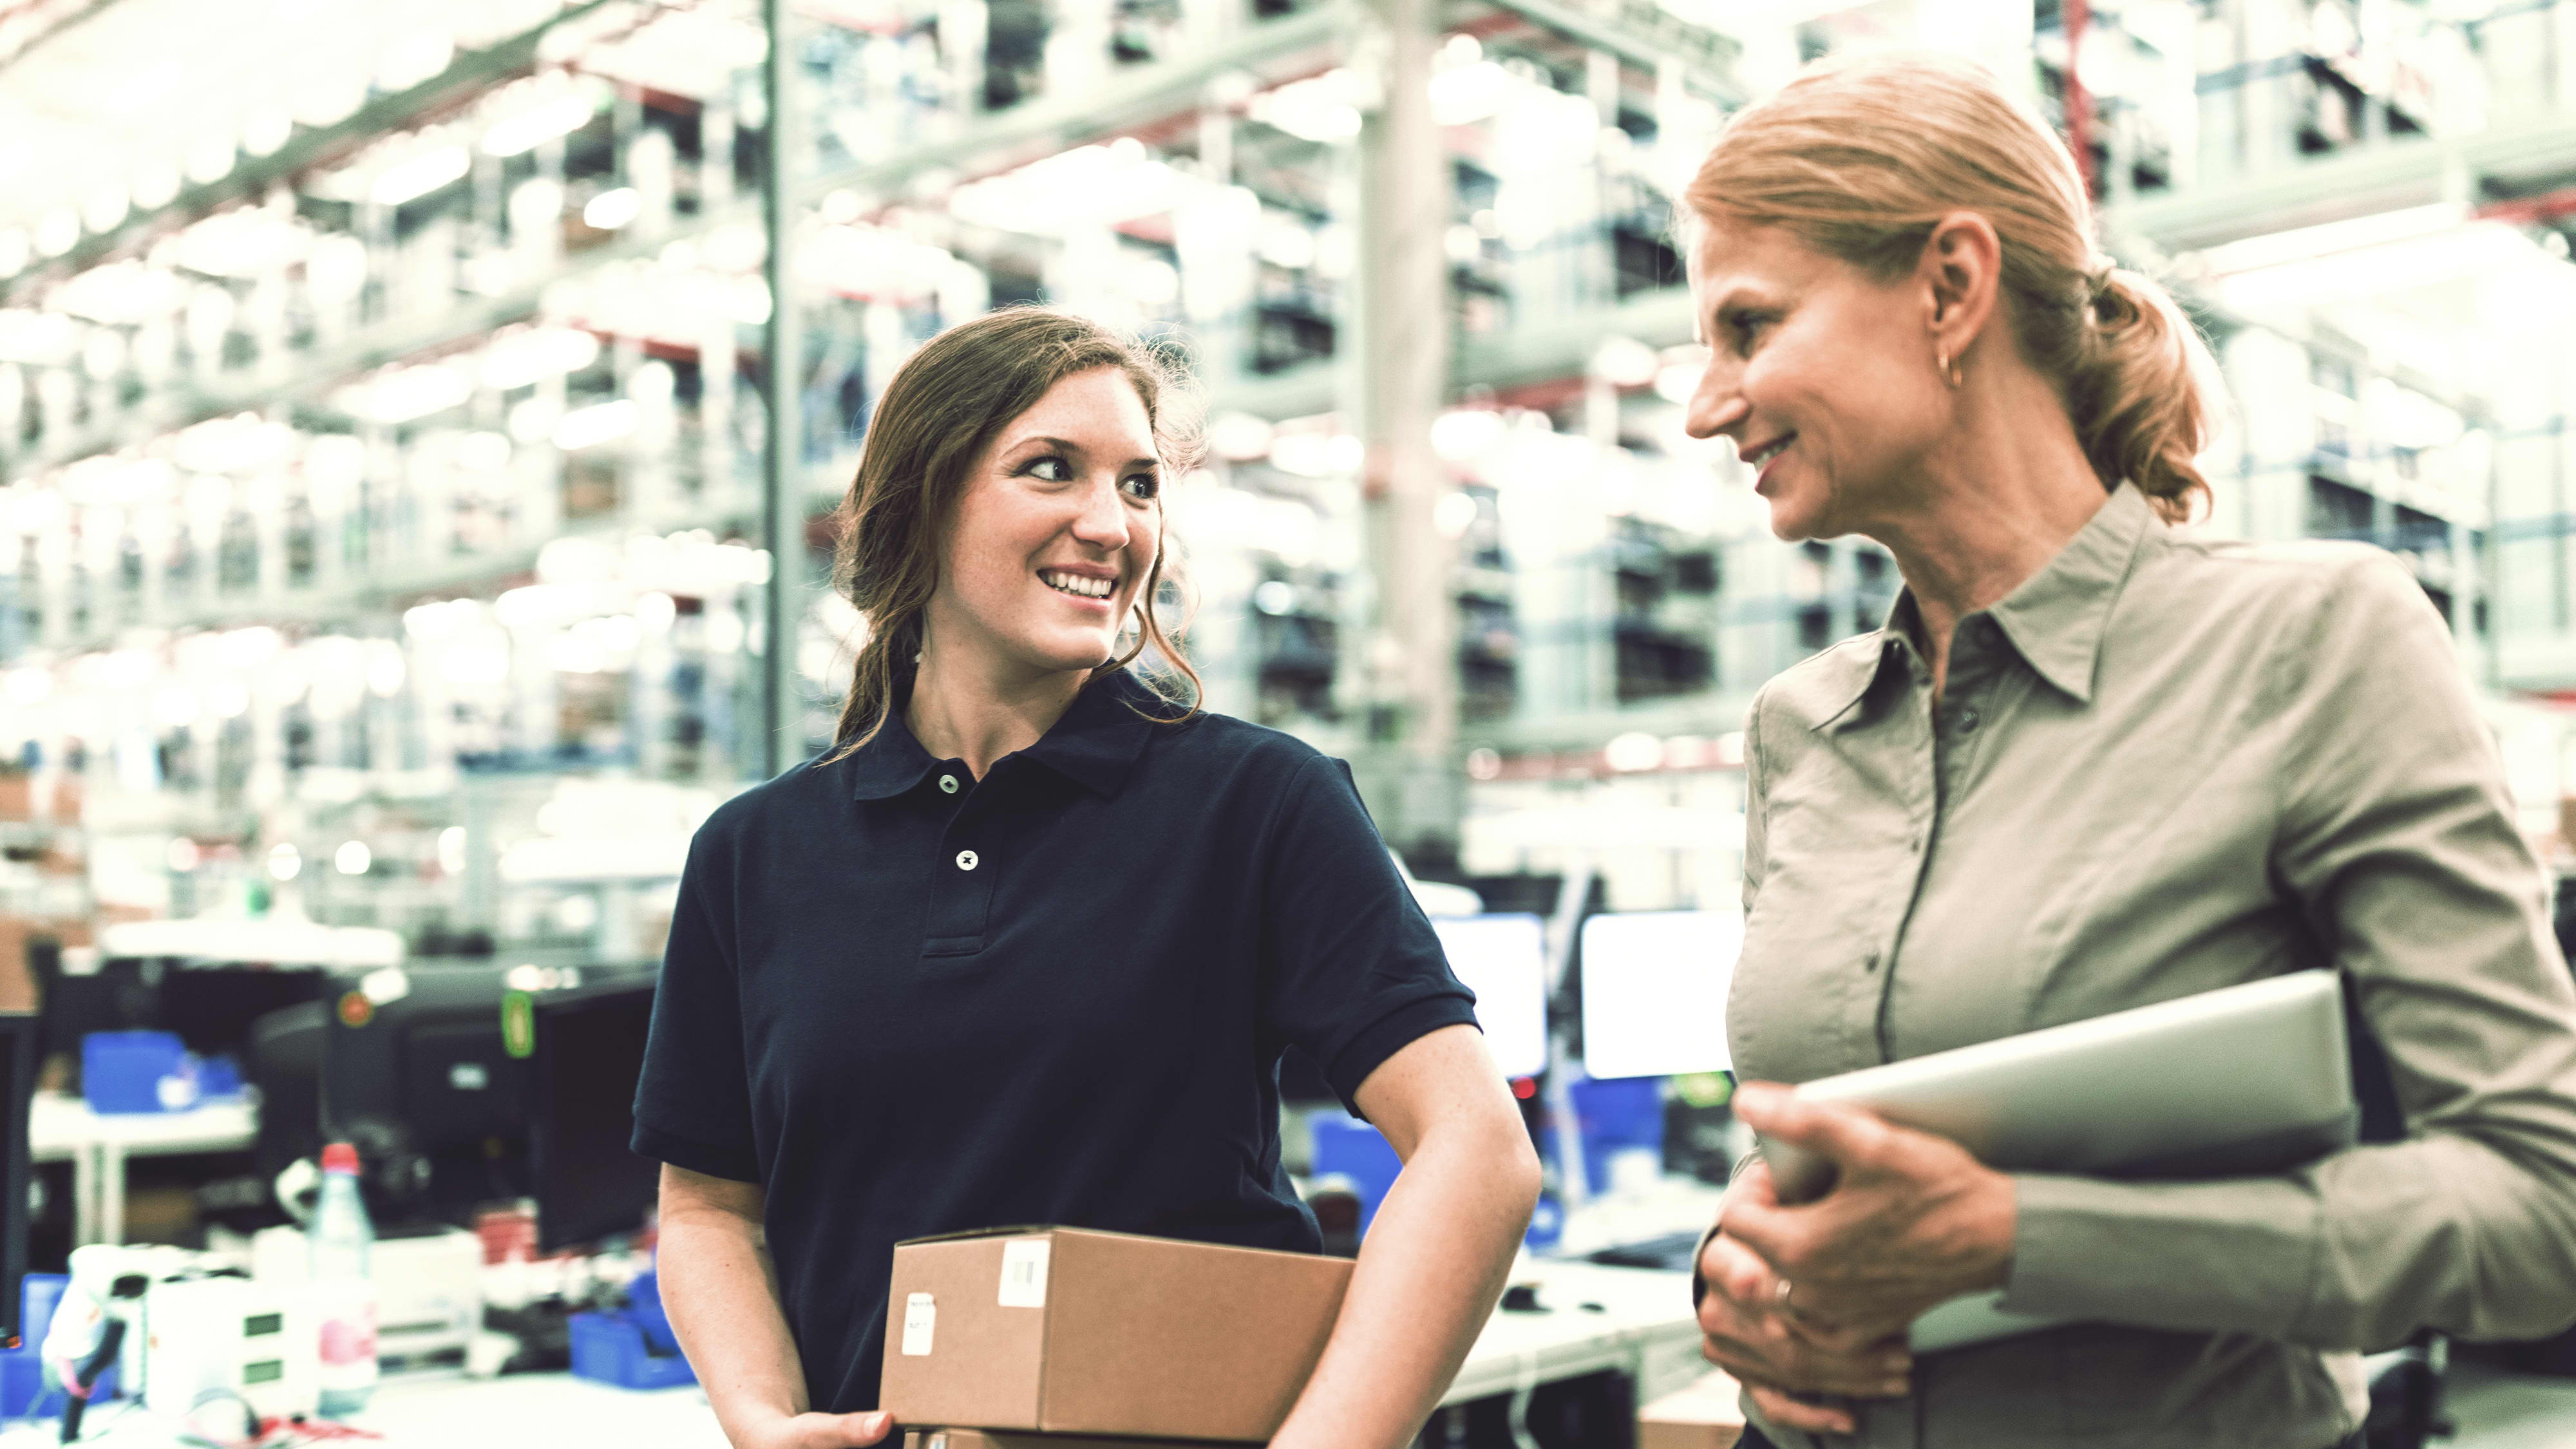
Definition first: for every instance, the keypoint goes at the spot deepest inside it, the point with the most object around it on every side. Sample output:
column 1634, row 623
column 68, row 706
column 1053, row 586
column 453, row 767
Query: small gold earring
column 1950, row 373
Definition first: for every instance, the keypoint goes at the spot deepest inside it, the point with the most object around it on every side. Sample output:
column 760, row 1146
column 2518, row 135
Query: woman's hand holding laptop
column 1815, row 1299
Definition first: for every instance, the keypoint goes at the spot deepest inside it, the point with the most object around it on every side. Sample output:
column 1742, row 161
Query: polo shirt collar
column 1095, row 744
column 2055, row 619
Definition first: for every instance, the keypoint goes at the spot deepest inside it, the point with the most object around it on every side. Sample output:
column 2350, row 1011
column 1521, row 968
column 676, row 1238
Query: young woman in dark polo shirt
column 1026, row 946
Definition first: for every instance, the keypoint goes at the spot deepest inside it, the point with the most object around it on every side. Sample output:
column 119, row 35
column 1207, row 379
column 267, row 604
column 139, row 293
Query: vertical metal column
column 1399, row 320
column 782, row 498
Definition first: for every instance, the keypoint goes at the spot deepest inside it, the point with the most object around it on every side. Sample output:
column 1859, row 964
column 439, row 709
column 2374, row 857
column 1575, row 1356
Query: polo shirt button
column 967, row 860
column 948, row 784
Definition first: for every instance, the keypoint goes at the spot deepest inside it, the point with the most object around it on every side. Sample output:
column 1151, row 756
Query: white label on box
column 1024, row 1273
column 920, row 1320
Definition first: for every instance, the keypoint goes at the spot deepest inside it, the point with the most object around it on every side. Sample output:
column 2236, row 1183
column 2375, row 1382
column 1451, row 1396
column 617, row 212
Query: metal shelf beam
column 469, row 72
column 1045, row 124
column 2359, row 182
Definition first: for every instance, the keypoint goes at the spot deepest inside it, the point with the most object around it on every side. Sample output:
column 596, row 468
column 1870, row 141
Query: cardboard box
column 1707, row 1415
column 1006, row 1439
column 1073, row 1331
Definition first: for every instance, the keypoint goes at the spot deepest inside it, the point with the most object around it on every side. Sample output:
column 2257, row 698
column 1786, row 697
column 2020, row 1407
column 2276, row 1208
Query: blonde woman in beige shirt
column 2091, row 762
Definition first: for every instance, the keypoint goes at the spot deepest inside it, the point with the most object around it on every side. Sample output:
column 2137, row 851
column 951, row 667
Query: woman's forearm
column 721, row 1293
column 1427, row 1279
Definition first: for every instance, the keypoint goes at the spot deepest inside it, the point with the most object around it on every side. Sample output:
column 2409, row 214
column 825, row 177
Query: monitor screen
column 211, row 1008
column 417, row 1073
column 1654, row 991
column 1503, row 959
column 589, row 1054
column 18, row 1081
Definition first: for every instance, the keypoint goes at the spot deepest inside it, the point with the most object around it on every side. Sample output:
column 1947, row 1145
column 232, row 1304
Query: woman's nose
column 1715, row 406
column 1102, row 521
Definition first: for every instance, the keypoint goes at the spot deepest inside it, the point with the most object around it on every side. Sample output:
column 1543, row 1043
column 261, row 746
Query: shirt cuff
column 2228, row 1256
column 1389, row 1034
column 732, row 1164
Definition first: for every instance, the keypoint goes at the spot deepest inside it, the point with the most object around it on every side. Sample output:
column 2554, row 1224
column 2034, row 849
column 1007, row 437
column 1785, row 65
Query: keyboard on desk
column 1671, row 1252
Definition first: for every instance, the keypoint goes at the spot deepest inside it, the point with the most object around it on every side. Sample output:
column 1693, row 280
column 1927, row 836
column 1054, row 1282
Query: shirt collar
column 2055, row 620
column 1095, row 744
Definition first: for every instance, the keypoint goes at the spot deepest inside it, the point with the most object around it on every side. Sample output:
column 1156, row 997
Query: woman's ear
column 1960, row 275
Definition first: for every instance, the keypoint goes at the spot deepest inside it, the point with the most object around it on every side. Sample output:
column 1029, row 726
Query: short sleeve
column 693, row 1104
column 1351, row 970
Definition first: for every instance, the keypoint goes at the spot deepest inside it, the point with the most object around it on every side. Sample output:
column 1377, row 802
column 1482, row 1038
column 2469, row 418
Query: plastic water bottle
column 344, row 1296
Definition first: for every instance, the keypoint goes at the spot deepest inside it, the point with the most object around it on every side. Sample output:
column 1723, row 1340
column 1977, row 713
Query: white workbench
column 1635, row 1320
column 1643, row 1327
column 61, row 1127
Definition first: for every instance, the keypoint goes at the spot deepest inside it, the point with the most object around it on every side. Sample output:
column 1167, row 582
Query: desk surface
column 1643, row 1326
column 59, row 1124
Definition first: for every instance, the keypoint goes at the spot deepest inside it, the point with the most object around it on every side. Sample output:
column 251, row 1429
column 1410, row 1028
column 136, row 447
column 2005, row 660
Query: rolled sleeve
column 2398, row 843
column 1351, row 969
column 693, row 1101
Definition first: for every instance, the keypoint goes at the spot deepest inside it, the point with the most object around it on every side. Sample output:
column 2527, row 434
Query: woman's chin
column 1791, row 523
column 1065, row 653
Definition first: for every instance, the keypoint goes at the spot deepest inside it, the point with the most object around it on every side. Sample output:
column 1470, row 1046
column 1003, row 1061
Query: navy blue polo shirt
column 906, row 1002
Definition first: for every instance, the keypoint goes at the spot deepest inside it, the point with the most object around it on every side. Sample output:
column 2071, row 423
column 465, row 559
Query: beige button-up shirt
column 2164, row 765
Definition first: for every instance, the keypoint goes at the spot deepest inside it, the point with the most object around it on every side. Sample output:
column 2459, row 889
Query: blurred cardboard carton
column 1073, row 1331
column 1006, row 1439
column 1707, row 1415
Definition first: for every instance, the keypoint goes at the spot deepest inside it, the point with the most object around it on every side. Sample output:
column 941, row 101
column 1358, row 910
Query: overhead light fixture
column 523, row 358
column 610, row 210
column 531, row 128
column 407, row 393
column 56, row 233
column 599, row 423
column 422, row 174
column 265, row 133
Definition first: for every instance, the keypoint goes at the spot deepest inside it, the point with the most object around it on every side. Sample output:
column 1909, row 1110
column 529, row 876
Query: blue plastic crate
column 609, row 1348
column 1351, row 1148
column 22, row 1370
column 137, row 1071
column 1617, row 1114
column 644, row 1310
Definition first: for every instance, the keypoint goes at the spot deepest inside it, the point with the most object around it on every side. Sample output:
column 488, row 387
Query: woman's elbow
column 1517, row 1169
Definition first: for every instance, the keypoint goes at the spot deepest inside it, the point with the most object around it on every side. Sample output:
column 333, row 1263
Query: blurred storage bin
column 138, row 1071
column 609, row 1348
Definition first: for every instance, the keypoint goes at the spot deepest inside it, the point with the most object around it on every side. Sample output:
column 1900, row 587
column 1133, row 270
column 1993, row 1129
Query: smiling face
column 1823, row 377
column 1054, row 534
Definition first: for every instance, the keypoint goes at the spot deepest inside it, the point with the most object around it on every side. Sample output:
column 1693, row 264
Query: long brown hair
column 937, row 416
column 1860, row 158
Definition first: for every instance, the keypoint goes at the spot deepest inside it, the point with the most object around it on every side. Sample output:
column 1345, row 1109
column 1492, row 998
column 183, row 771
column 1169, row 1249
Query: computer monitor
column 1654, row 991
column 1503, row 959
column 212, row 1008
column 18, row 1046
column 417, row 1074
column 588, row 1182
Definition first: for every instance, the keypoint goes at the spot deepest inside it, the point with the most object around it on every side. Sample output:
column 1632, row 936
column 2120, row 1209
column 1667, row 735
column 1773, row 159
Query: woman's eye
column 1142, row 486
column 1743, row 327
column 1061, row 471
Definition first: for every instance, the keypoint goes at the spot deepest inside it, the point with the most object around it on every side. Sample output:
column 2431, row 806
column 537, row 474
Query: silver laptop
column 2235, row 1082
